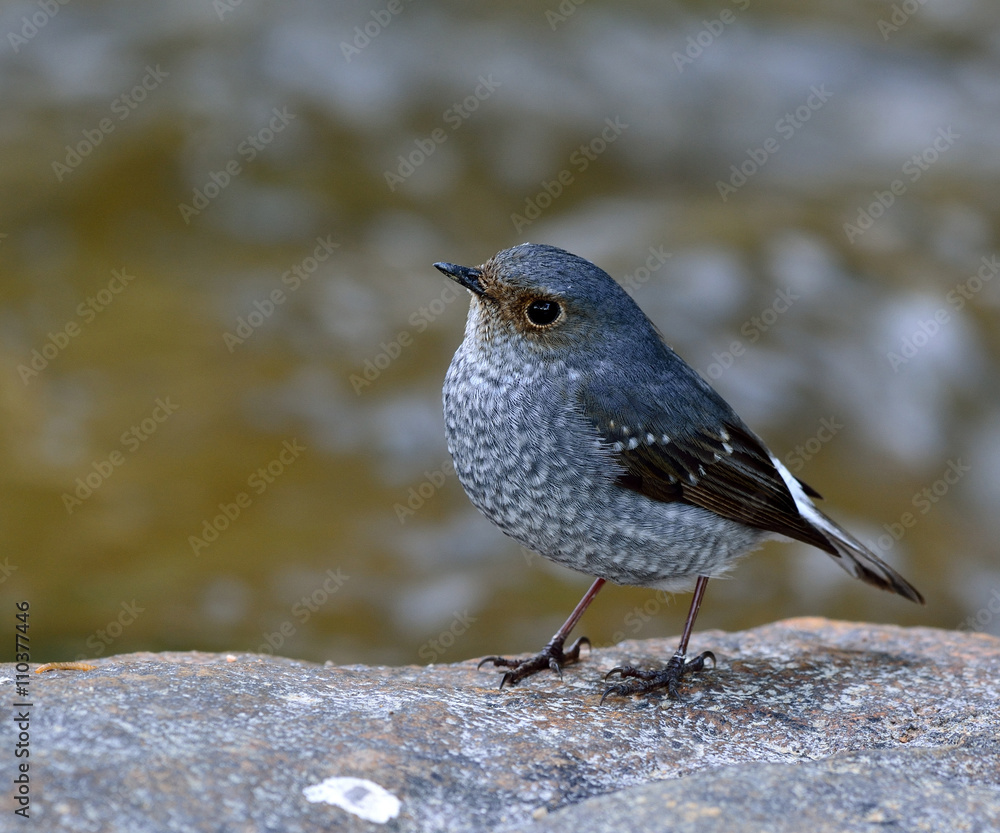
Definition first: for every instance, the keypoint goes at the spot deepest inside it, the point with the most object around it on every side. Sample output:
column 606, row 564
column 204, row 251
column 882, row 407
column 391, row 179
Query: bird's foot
column 552, row 656
column 645, row 680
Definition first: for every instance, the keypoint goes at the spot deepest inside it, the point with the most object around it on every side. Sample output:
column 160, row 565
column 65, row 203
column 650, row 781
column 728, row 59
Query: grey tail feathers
column 862, row 563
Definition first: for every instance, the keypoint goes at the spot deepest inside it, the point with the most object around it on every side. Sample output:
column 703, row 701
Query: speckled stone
column 948, row 790
column 840, row 725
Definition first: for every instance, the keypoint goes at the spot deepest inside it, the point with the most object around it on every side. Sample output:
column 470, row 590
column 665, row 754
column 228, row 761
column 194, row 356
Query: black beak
column 467, row 276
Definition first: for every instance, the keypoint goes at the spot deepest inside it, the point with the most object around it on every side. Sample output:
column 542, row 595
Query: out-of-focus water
column 222, row 342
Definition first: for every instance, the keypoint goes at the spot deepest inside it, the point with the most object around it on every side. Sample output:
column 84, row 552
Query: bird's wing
column 685, row 444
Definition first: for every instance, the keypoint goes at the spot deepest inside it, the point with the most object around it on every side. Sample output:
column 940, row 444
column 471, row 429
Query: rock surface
column 806, row 724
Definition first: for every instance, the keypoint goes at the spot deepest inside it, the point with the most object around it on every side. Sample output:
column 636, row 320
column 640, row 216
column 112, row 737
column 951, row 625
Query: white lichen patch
column 363, row 798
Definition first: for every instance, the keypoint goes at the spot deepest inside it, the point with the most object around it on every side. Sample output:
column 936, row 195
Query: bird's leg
column 552, row 656
column 645, row 680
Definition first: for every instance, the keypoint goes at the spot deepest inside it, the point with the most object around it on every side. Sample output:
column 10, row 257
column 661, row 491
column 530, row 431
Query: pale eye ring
column 541, row 312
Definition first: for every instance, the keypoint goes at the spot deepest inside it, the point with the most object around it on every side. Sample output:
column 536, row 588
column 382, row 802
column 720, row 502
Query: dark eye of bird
column 542, row 313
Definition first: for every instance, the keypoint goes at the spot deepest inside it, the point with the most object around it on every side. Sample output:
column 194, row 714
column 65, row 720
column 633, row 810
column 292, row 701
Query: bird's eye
column 541, row 313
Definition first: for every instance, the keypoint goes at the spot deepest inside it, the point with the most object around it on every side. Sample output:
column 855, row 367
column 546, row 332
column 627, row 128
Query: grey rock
column 805, row 724
column 949, row 789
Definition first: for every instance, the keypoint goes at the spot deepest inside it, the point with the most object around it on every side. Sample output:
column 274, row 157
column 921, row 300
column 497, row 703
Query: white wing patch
column 807, row 509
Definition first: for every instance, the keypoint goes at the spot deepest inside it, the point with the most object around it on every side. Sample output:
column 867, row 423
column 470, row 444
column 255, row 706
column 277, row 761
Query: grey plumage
column 588, row 440
column 594, row 444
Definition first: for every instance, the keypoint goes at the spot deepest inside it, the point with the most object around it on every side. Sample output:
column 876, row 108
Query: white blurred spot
column 363, row 798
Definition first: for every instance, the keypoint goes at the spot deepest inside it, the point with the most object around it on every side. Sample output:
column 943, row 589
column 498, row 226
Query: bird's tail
column 861, row 562
column 843, row 547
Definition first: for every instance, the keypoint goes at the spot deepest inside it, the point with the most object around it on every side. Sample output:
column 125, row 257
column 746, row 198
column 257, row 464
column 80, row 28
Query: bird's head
column 548, row 304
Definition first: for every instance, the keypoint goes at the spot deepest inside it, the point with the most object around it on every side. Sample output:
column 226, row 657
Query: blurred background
column 222, row 341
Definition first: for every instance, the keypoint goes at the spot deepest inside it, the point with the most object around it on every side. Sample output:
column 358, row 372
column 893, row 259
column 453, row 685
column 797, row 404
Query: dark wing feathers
column 676, row 440
column 809, row 490
column 720, row 466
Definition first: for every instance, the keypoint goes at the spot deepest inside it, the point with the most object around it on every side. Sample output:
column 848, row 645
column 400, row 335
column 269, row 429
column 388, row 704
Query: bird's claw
column 552, row 656
column 645, row 680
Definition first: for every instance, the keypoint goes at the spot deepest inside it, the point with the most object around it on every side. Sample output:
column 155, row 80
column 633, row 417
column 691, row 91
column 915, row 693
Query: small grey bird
column 584, row 437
